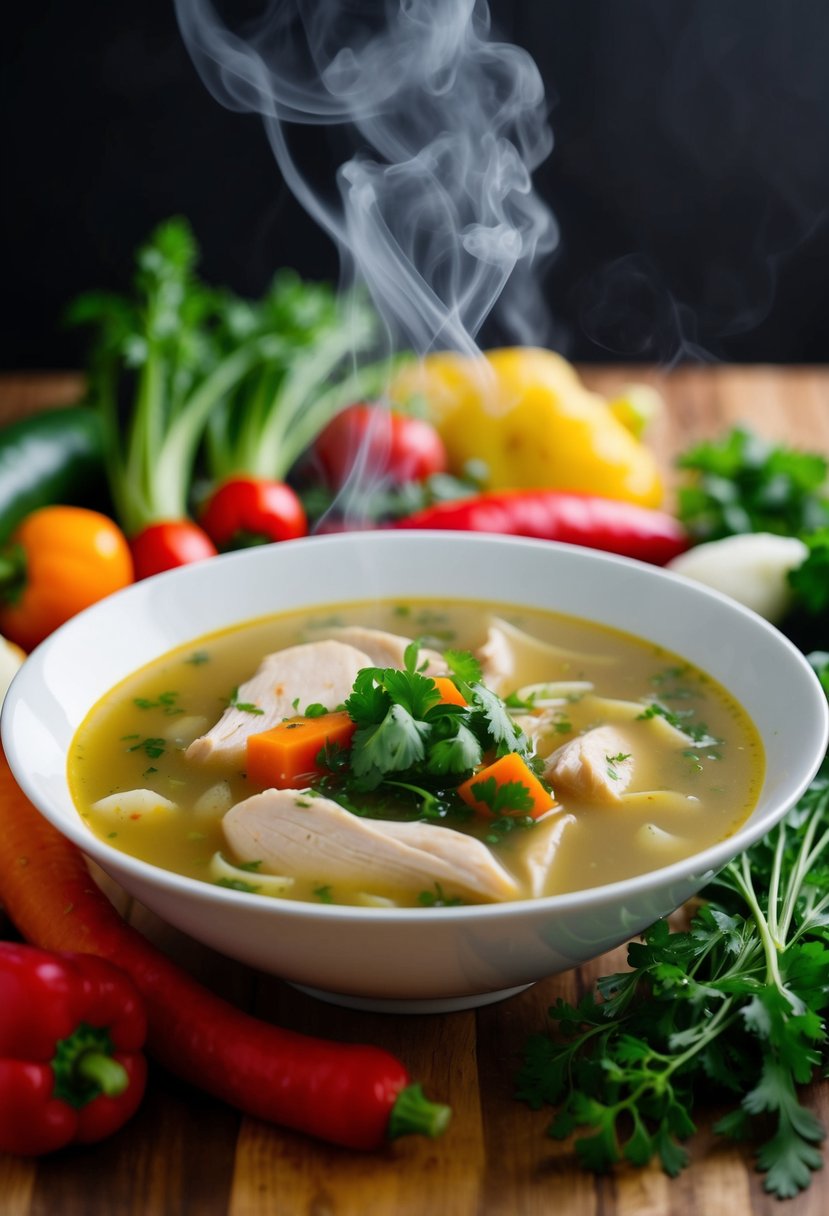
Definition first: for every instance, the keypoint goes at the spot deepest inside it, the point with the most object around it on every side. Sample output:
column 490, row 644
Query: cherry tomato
column 59, row 561
column 252, row 510
column 383, row 442
column 167, row 544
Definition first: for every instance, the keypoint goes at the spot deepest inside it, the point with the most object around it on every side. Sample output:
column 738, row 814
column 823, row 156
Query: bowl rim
column 700, row 865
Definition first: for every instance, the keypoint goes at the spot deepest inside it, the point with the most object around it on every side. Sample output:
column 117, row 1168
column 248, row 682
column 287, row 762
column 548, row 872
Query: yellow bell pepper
column 526, row 416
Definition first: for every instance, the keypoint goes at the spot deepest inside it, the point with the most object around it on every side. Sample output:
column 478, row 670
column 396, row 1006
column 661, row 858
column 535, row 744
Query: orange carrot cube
column 285, row 757
column 449, row 694
column 511, row 768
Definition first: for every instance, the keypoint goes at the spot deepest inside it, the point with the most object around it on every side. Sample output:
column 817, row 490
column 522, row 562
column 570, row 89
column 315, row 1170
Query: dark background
column 689, row 178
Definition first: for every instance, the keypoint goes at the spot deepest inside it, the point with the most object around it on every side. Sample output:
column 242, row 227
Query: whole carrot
column 350, row 1094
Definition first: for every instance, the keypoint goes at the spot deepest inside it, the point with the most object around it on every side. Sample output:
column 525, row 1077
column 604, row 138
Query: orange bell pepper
column 59, row 560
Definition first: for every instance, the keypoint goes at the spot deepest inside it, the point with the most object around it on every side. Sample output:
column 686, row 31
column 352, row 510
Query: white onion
column 750, row 568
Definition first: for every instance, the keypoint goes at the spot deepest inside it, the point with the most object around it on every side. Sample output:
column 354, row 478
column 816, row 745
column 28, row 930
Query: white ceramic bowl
column 413, row 959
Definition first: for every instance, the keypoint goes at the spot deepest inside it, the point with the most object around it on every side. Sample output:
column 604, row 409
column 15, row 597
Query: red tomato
column 252, row 510
column 381, row 441
column 167, row 544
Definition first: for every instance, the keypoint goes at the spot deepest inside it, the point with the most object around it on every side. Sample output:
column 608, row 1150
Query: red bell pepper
column 351, row 1094
column 245, row 511
column 71, row 1031
column 623, row 528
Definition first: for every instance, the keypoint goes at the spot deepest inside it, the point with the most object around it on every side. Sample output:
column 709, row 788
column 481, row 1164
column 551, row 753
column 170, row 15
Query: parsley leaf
column 504, row 731
column 437, row 899
column 463, row 665
column 412, row 691
column 459, row 753
column 681, row 721
column 246, row 707
column 505, row 798
column 810, row 581
column 744, row 483
column 368, row 702
column 165, row 701
column 236, row 884
column 391, row 746
column 152, row 748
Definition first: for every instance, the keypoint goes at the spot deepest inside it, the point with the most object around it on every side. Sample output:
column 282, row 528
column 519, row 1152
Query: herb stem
column 742, row 876
column 774, row 888
column 806, row 856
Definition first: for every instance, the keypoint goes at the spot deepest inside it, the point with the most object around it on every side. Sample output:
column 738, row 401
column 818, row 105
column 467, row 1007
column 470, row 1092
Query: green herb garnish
column 612, row 761
column 246, row 707
column 152, row 748
column 681, row 720
column 437, row 899
column 198, row 657
column 744, row 483
column 165, row 701
column 735, row 1005
column 505, row 798
column 237, row 884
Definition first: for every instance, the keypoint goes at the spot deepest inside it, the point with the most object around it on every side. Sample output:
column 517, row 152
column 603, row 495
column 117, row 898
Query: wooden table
column 187, row 1155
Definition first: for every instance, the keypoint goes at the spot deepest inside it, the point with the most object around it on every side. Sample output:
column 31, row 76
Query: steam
column 432, row 208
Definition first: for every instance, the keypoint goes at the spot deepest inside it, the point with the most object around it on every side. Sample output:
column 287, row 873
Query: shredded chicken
column 293, row 833
column 539, row 851
column 507, row 648
column 496, row 657
column 595, row 766
column 284, row 684
column 387, row 649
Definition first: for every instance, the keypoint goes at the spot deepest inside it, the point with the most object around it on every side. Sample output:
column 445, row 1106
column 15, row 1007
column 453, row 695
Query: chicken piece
column 508, row 648
column 285, row 683
column 595, row 766
column 538, row 851
column 496, row 657
column 296, row 834
column 387, row 649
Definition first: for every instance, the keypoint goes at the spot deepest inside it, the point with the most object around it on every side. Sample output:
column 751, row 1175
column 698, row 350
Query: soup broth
column 688, row 772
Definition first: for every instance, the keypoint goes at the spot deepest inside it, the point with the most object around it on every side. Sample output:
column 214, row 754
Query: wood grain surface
column 186, row 1155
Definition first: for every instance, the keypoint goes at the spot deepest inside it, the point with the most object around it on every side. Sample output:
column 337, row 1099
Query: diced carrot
column 510, row 768
column 285, row 756
column 449, row 694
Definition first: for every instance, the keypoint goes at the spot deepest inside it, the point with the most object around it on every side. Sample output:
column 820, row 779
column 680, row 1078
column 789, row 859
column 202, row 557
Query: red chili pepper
column 252, row 510
column 382, row 441
column 71, row 1031
column 577, row 519
column 351, row 1094
column 170, row 543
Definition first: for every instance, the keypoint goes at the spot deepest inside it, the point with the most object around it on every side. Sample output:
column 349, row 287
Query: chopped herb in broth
column 489, row 754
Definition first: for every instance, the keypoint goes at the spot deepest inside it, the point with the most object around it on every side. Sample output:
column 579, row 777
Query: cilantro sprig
column 735, row 1003
column 407, row 734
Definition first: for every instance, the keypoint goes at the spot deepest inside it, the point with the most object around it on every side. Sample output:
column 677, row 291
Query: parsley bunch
column 736, row 1003
column 406, row 734
column 743, row 483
